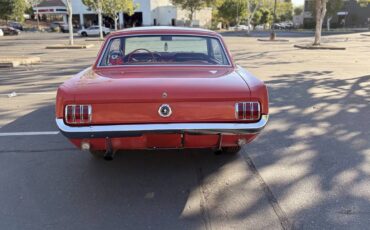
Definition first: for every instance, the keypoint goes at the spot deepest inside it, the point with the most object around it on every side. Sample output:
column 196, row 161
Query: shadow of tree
column 315, row 151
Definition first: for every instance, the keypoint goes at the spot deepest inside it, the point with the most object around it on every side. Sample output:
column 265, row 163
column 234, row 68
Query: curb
column 94, row 40
column 269, row 40
column 311, row 47
column 14, row 61
column 70, row 46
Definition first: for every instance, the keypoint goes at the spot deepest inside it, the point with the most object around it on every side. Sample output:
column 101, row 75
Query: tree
column 33, row 4
column 266, row 16
column 257, row 17
column 298, row 10
column 5, row 9
column 12, row 9
column 192, row 6
column 262, row 16
column 320, row 6
column 252, row 7
column 70, row 25
column 19, row 7
column 231, row 11
column 113, row 7
column 97, row 6
column 284, row 11
column 332, row 7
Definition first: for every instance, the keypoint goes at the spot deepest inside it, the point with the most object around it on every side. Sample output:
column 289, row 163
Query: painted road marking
column 28, row 133
column 40, row 93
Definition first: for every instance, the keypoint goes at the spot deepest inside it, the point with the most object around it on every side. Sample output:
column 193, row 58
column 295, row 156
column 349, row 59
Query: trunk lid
column 135, row 95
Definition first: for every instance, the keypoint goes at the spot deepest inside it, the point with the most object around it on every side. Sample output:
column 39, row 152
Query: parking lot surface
column 310, row 168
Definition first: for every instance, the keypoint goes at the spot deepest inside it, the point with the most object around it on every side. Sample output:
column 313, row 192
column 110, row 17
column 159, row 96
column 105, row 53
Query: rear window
column 164, row 50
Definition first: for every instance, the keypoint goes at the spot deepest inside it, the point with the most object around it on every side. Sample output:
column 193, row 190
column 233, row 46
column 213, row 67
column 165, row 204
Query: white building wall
column 162, row 10
column 145, row 8
column 201, row 18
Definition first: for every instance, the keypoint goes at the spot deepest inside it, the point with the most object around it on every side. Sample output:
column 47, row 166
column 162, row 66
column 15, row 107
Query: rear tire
column 98, row 154
column 84, row 34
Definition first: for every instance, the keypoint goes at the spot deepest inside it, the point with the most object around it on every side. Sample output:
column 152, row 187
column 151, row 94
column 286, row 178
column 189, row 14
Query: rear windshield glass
column 164, row 50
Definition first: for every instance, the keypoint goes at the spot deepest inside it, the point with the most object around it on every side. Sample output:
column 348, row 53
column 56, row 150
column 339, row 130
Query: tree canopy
column 263, row 16
column 231, row 10
column 96, row 5
column 111, row 8
column 12, row 9
column 192, row 5
column 298, row 10
column 252, row 11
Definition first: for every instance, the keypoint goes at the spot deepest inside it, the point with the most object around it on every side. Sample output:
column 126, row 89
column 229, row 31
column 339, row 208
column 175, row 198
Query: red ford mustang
column 161, row 88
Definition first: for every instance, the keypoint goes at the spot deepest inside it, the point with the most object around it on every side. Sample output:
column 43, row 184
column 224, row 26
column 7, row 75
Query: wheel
column 104, row 34
column 98, row 154
column 229, row 150
column 84, row 34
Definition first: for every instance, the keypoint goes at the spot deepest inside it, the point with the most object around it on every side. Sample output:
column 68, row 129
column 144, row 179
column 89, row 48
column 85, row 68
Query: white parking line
column 28, row 133
column 40, row 93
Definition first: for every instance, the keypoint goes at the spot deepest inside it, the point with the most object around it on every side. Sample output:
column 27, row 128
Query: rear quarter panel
column 258, row 89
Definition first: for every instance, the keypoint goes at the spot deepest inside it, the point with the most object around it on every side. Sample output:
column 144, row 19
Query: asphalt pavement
column 308, row 170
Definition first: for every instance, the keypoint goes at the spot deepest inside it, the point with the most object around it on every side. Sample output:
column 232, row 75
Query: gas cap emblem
column 165, row 110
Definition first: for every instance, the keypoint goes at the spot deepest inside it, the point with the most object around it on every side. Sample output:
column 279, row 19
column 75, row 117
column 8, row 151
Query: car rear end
column 136, row 105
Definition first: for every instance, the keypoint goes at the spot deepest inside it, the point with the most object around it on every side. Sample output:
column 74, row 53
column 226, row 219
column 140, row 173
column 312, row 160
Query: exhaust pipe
column 109, row 154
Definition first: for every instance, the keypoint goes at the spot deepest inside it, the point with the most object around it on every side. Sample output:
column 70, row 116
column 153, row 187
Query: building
column 149, row 13
column 351, row 15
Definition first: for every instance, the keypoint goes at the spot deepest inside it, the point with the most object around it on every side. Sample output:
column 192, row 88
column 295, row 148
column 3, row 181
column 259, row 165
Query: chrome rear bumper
column 99, row 131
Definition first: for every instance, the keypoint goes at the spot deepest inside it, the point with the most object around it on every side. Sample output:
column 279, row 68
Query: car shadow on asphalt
column 53, row 183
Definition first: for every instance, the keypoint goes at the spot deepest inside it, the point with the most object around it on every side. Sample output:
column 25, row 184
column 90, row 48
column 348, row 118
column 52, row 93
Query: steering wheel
column 130, row 58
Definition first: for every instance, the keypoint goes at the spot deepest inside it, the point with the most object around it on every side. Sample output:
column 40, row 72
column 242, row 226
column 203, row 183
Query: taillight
column 248, row 111
column 78, row 114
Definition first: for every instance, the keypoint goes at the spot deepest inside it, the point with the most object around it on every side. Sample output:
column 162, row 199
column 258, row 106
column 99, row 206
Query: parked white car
column 241, row 28
column 259, row 27
column 1, row 33
column 93, row 31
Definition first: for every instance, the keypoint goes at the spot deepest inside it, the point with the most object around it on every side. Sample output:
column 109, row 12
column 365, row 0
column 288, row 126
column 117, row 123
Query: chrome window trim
column 104, row 50
column 102, row 131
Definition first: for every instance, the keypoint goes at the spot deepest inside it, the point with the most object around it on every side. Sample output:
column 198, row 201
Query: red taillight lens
column 248, row 111
column 78, row 114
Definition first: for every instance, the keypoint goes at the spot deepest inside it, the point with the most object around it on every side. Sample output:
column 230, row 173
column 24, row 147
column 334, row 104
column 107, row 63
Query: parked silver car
column 93, row 31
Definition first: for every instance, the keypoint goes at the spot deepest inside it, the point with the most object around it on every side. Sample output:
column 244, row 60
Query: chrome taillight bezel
column 82, row 109
column 248, row 115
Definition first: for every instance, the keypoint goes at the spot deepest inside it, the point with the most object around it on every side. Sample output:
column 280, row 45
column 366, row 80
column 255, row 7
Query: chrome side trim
column 98, row 131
